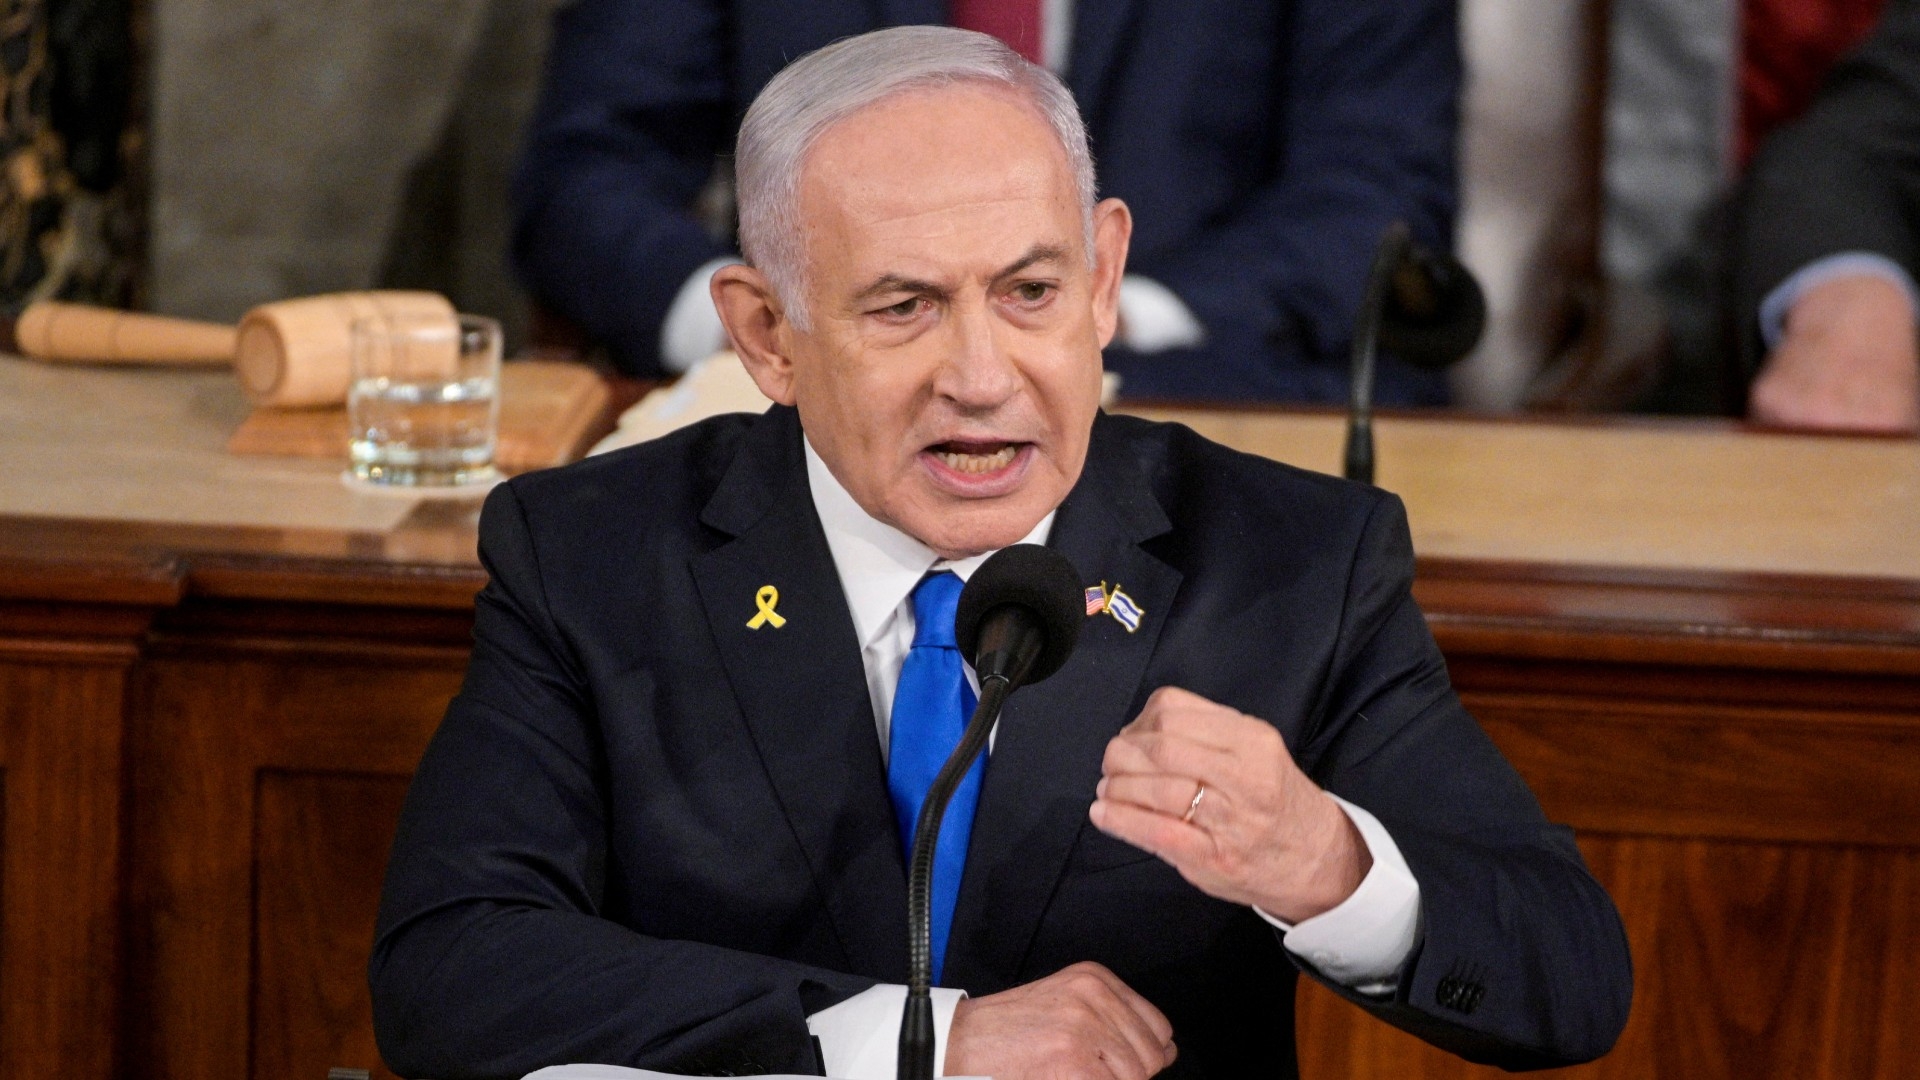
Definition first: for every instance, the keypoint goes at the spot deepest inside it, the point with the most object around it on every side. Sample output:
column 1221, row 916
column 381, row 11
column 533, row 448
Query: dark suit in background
column 1262, row 144
column 647, row 834
column 1844, row 177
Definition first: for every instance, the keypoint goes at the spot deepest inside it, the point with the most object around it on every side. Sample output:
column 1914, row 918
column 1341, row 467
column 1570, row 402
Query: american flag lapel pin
column 1096, row 599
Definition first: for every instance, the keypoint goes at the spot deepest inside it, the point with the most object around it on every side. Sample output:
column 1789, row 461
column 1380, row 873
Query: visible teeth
column 978, row 463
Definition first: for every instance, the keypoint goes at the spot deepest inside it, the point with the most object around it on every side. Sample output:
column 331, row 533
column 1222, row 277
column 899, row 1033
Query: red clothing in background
column 1016, row 22
column 1787, row 48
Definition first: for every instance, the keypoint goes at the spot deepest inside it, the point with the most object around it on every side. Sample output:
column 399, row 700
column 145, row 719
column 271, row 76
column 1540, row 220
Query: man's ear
column 751, row 311
column 1112, row 232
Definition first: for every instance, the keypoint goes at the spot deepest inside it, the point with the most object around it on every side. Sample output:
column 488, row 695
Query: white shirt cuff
column 860, row 1037
column 1154, row 319
column 1774, row 309
column 692, row 330
column 1364, row 941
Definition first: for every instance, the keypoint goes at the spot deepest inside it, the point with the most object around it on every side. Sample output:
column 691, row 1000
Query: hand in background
column 1849, row 361
column 1262, row 834
column 1081, row 1021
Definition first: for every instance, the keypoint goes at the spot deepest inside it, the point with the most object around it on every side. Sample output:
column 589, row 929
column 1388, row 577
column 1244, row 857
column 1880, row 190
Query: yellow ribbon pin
column 764, row 600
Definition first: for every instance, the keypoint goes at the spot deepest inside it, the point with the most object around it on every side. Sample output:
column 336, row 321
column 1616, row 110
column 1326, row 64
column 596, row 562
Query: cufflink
column 1461, row 992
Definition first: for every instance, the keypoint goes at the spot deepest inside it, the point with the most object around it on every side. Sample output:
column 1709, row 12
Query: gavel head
column 300, row 352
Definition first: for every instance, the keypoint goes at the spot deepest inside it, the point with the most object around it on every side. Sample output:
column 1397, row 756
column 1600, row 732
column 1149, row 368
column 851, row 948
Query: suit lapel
column 803, row 691
column 1099, row 26
column 1046, row 755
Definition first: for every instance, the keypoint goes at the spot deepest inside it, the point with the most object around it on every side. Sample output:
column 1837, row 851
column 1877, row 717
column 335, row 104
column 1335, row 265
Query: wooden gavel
column 286, row 353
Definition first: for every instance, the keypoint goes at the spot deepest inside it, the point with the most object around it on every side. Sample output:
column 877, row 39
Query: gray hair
column 828, row 85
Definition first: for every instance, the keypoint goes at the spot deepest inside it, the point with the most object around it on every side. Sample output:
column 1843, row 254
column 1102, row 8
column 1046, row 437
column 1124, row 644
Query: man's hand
column 1260, row 834
column 1081, row 1021
column 1850, row 361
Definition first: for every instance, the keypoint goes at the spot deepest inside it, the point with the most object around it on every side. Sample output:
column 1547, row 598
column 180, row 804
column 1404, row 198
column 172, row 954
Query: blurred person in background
column 1828, row 247
column 1263, row 146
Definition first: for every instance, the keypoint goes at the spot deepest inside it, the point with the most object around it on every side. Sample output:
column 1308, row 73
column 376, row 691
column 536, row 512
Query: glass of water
column 424, row 403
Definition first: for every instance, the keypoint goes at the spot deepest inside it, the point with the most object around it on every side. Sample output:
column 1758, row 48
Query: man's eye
column 1032, row 292
column 905, row 309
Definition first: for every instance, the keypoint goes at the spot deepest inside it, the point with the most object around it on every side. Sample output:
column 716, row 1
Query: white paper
column 719, row 384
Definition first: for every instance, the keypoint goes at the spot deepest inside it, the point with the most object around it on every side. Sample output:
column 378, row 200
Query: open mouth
column 975, row 459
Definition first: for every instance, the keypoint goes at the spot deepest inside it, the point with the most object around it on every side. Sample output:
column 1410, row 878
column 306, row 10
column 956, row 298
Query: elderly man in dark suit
column 1263, row 145
column 663, row 823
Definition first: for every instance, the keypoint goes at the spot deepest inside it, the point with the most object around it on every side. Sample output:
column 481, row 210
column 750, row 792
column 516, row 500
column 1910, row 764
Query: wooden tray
column 550, row 413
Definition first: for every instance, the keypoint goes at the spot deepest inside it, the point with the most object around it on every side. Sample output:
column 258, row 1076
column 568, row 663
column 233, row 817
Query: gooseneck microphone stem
column 916, row 1026
column 1366, row 352
column 1016, row 623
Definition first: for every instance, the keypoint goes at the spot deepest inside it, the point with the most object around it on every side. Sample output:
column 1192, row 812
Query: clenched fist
column 1079, row 1022
column 1215, row 793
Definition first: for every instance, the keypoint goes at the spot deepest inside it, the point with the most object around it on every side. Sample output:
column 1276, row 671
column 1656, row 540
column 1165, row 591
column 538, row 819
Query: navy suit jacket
column 1262, row 144
column 648, row 834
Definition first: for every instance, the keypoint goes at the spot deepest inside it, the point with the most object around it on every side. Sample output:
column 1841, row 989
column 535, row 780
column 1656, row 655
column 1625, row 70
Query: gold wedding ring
column 1192, row 807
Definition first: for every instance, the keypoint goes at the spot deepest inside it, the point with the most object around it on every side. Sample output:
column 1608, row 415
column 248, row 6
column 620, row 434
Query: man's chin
column 972, row 529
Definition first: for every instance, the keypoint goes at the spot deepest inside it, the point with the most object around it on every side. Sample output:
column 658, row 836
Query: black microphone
column 1424, row 307
column 1018, row 619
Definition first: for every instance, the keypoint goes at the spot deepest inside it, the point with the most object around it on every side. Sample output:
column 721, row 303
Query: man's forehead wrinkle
column 946, row 212
column 933, row 193
column 898, row 152
column 917, row 207
column 935, row 111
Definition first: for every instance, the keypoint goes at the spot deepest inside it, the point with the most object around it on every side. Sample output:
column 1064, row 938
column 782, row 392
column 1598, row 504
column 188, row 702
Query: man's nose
column 980, row 372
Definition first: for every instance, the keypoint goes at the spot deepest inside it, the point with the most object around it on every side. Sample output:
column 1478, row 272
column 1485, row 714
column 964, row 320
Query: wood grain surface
column 1646, row 495
column 322, row 844
column 265, row 792
column 64, row 689
column 1751, row 960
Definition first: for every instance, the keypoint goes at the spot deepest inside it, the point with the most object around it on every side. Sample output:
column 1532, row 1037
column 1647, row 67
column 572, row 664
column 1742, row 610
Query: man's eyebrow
column 1039, row 253
column 887, row 284
column 894, row 283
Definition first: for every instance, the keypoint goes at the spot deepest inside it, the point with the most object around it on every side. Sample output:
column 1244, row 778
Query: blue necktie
column 931, row 707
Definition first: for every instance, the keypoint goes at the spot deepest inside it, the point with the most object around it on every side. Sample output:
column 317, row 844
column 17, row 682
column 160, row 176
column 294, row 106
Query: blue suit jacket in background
column 650, row 834
column 1263, row 146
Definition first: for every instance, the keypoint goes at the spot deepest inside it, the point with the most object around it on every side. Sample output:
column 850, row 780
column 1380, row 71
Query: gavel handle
column 49, row 330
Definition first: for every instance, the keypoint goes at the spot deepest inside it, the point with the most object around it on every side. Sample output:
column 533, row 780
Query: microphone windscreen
column 1435, row 311
column 1037, row 578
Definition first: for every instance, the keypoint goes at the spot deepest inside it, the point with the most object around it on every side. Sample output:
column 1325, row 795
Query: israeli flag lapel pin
column 1115, row 602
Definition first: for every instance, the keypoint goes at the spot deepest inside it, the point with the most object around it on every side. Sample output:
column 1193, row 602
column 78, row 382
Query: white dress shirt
column 1361, row 943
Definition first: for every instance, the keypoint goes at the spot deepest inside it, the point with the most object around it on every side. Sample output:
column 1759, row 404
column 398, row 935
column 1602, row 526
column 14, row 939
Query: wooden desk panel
column 270, row 768
column 1741, row 758
column 323, row 839
column 64, row 678
column 1765, row 860
column 1752, row 960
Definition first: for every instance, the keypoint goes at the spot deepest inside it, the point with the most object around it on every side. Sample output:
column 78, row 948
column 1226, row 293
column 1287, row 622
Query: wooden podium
column 1700, row 645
